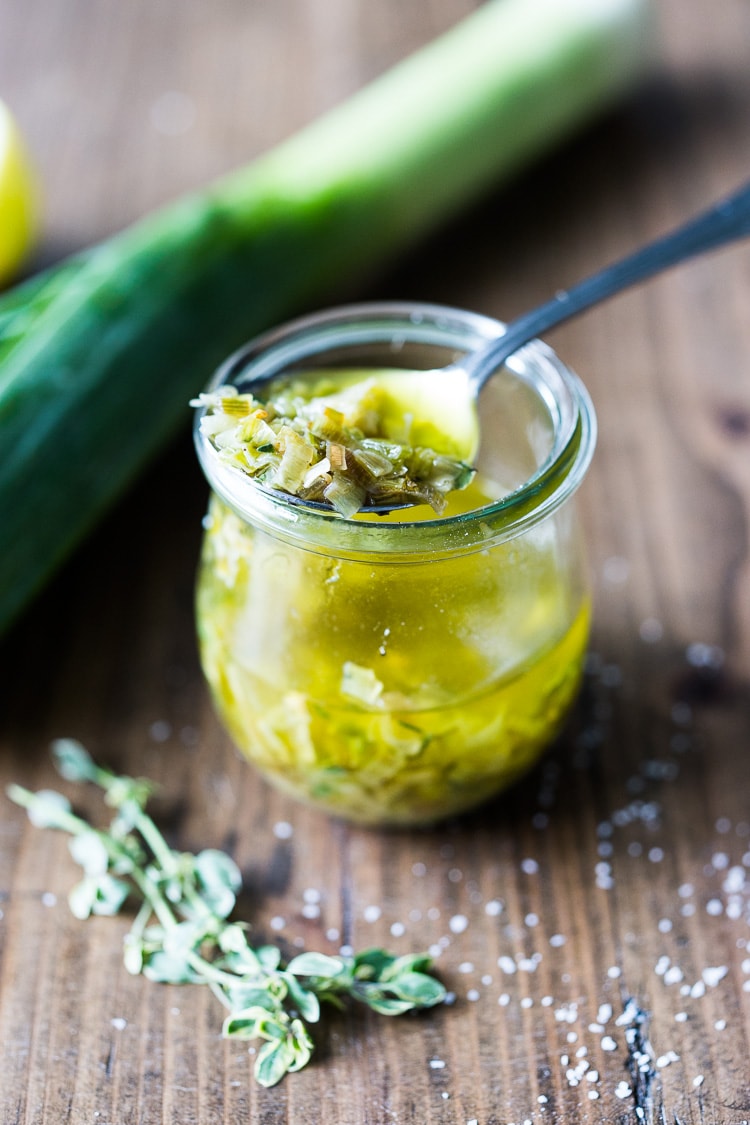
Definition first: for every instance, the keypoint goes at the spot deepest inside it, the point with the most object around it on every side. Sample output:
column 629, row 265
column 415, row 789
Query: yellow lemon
column 18, row 198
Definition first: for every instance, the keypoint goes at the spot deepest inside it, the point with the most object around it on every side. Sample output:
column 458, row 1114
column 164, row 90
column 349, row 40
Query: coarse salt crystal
column 608, row 1043
column 623, row 1090
column 437, row 1064
column 714, row 974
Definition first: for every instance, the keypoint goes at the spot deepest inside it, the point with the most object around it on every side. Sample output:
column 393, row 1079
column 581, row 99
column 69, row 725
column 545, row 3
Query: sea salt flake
column 714, row 974
column 698, row 1080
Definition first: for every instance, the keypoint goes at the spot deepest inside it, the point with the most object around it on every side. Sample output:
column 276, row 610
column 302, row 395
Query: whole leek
column 99, row 355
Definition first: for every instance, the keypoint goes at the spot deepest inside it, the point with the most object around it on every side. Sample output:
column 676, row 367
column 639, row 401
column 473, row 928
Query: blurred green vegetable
column 99, row 355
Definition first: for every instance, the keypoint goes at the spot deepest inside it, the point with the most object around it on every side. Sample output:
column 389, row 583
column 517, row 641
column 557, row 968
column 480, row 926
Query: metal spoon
column 722, row 223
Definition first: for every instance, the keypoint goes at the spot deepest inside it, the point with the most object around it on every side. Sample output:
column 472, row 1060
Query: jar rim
column 556, row 478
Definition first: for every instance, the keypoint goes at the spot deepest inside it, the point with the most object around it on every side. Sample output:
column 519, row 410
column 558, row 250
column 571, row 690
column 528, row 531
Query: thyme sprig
column 183, row 931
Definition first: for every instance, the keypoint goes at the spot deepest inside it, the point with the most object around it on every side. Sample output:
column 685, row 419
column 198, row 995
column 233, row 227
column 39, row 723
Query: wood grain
column 618, row 873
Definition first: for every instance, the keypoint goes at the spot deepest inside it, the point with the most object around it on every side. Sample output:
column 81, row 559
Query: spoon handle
column 723, row 222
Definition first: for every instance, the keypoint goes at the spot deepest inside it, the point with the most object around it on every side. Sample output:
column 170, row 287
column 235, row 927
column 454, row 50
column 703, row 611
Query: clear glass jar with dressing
column 397, row 669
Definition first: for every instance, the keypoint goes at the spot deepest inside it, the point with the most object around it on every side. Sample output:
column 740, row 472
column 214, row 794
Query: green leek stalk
column 100, row 354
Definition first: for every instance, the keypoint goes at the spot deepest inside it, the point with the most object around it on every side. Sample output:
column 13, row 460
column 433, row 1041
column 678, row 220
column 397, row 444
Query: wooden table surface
column 619, row 870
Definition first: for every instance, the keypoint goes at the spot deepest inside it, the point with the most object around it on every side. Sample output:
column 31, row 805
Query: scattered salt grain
column 615, row 570
column 118, row 1023
column 418, row 869
column 529, row 866
column 466, row 967
column 651, row 630
column 608, row 1043
column 283, row 830
column 614, row 972
column 680, row 1017
column 398, row 929
column 493, row 908
column 49, row 899
column 277, row 923
column 714, row 907
column 698, row 1080
column 664, row 925
column 472, row 995
column 507, row 964
column 437, row 1064
column 623, row 1090
column 371, row 913
column 160, row 731
column 713, row 974
column 458, row 923
column 557, row 940
column 720, row 1025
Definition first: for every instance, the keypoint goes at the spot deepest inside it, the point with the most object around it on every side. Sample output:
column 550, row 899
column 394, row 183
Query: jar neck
column 399, row 328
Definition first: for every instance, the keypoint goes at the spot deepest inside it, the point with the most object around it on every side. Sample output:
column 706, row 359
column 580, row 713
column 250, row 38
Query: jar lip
column 546, row 489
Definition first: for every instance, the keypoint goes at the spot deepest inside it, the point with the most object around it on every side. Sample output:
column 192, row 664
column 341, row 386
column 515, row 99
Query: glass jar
column 398, row 669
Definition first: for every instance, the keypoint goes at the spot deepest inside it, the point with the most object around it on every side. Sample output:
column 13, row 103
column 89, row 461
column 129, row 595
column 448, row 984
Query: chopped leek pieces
column 329, row 444
column 143, row 318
